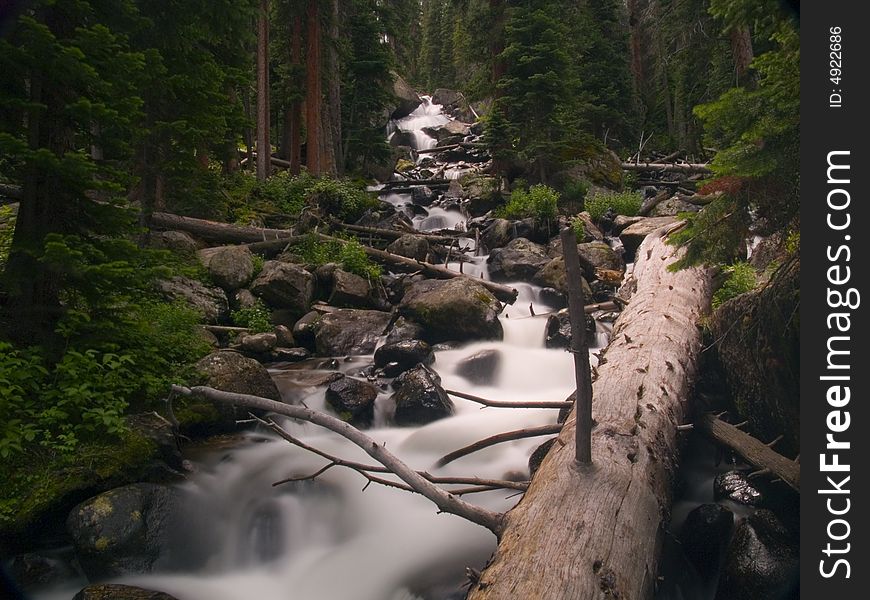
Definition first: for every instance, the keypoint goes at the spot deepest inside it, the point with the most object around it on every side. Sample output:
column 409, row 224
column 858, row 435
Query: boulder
column 672, row 207
column 34, row 570
column 407, row 100
column 305, row 329
column 232, row 372
column 210, row 302
column 352, row 291
column 289, row 354
column 123, row 531
column 403, row 329
column 761, row 561
column 243, row 299
column 420, row 399
column 180, row 242
column 285, row 285
column 117, row 591
column 402, row 139
column 620, row 222
column 705, row 534
column 558, row 330
column 598, row 255
column 350, row 331
column 520, row 260
column 553, row 275
column 410, row 246
column 259, row 343
column 422, row 195
column 406, row 354
column 352, row 399
column 455, row 309
column 632, row 236
column 734, row 486
column 481, row 368
column 230, row 267
column 446, row 97
column 497, row 234
column 284, row 337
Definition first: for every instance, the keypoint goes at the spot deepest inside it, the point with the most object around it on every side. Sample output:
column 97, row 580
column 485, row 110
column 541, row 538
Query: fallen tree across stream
column 595, row 531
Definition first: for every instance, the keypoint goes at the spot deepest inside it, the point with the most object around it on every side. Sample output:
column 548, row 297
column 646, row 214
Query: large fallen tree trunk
column 668, row 167
column 214, row 231
column 594, row 531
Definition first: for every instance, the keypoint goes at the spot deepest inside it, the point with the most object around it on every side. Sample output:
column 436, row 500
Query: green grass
column 623, row 203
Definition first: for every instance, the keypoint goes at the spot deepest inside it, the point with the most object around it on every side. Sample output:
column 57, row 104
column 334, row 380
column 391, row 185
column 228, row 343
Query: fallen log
column 391, row 234
column 414, row 182
column 467, row 145
column 214, row 231
column 753, row 451
column 668, row 167
column 594, row 531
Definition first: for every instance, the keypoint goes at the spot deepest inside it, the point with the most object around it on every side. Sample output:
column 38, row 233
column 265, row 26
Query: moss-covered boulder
column 123, row 531
column 230, row 267
column 520, row 260
column 350, row 331
column 117, row 591
column 453, row 310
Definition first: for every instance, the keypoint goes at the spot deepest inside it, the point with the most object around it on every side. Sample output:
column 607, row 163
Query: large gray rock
column 259, row 343
column 520, row 260
column 407, row 100
column 672, row 207
column 420, row 399
column 410, row 246
column 404, row 329
column 305, row 329
column 353, row 400
column 123, row 531
column 177, row 241
column 352, row 291
column 230, row 267
column 598, row 255
column 285, row 285
column 117, row 591
column 210, row 302
column 453, row 310
column 632, row 236
column 761, row 562
column 350, row 331
column 480, row 368
column 553, row 275
column 405, row 354
column 422, row 195
column 497, row 234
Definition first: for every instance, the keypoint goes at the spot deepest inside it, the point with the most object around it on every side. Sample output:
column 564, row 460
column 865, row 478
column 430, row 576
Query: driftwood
column 414, row 182
column 753, row 451
column 594, row 531
column 444, row 500
column 498, row 438
column 391, row 234
column 507, row 404
column 225, row 329
column 216, row 232
column 467, row 145
column 668, row 167
column 648, row 207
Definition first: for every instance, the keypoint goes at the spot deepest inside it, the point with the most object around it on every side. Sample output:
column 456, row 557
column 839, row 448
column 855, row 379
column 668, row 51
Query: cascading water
column 242, row 538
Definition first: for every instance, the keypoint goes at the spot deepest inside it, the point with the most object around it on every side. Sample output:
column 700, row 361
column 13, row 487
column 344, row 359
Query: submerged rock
column 480, row 368
column 455, row 309
column 420, row 399
column 352, row 399
column 350, row 331
column 405, row 353
column 123, row 531
column 34, row 570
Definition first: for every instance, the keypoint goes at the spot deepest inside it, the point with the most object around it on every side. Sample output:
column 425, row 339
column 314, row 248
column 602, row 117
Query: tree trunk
column 264, row 148
column 594, row 531
column 331, row 115
column 741, row 51
column 214, row 231
column 295, row 116
column 313, row 95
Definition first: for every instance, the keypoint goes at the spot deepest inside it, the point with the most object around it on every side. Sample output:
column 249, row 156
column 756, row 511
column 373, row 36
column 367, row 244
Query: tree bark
column 293, row 118
column 313, row 94
column 669, row 167
column 264, row 148
column 331, row 115
column 216, row 232
column 594, row 531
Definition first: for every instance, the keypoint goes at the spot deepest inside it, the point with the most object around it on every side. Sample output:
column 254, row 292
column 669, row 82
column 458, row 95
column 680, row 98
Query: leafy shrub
column 539, row 202
column 257, row 318
column 740, row 279
column 286, row 192
column 579, row 227
column 350, row 254
column 574, row 190
column 259, row 261
column 341, row 198
column 622, row 203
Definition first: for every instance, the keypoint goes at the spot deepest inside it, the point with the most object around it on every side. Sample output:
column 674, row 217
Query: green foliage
column 286, row 192
column 341, row 198
column 539, row 202
column 7, row 229
column 574, row 190
column 623, row 203
column 740, row 279
column 578, row 225
column 257, row 318
column 349, row 254
column 259, row 261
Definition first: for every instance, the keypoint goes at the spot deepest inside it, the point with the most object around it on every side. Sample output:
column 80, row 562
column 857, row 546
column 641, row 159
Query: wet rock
column 404, row 329
column 180, row 242
column 352, row 399
column 350, row 331
column 289, row 354
column 210, row 302
column 285, row 285
column 422, row 195
column 284, row 337
column 538, row 456
column 553, row 297
column 705, row 534
column 116, row 591
column 244, row 299
column 481, row 368
column 733, row 485
column 34, row 570
column 420, row 399
column 558, row 331
column 259, row 343
column 351, row 291
column 230, row 267
column 454, row 309
column 232, row 372
column 634, row 234
column 497, row 234
column 402, row 139
column 761, row 562
column 410, row 246
column 160, row 431
column 520, row 260
column 406, row 354
column 123, row 531
column 304, row 329
column 407, row 99
column 553, row 275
